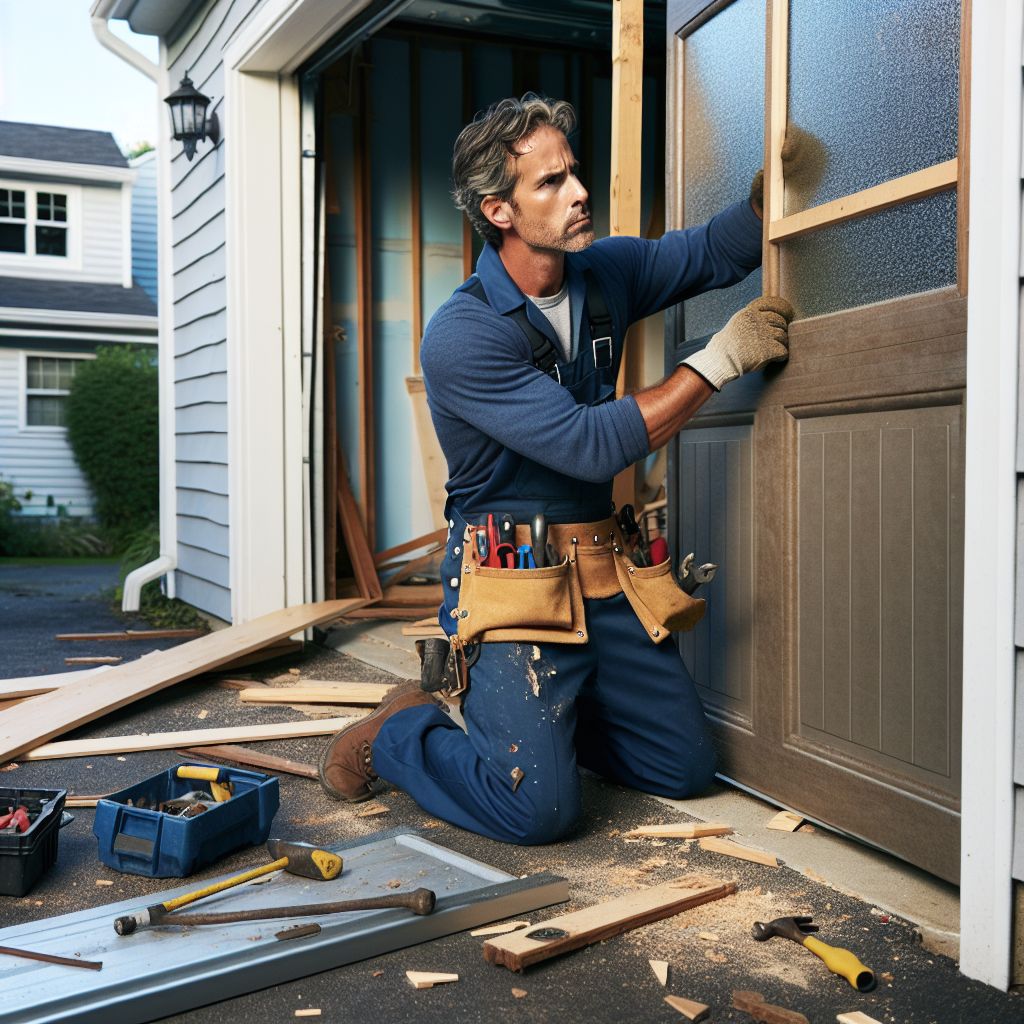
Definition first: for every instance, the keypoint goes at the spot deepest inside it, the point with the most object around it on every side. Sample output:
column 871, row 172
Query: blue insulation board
column 161, row 971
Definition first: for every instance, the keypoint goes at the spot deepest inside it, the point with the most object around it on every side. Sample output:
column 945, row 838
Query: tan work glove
column 756, row 335
column 804, row 159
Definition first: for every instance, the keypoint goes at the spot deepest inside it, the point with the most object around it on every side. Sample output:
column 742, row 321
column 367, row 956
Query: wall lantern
column 188, row 117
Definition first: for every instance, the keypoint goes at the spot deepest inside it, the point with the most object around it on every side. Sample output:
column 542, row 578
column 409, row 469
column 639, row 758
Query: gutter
column 166, row 563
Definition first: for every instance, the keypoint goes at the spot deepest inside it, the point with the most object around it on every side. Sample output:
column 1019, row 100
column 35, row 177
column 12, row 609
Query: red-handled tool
column 501, row 555
column 16, row 818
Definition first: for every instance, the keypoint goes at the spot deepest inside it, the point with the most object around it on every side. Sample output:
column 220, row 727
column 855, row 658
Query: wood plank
column 357, row 544
column 313, row 693
column 413, row 594
column 50, row 714
column 690, row 1009
column 136, row 634
column 917, row 185
column 731, row 849
column 95, row 659
column 186, row 738
column 30, row 686
column 84, row 801
column 681, row 830
column 378, row 611
column 252, row 758
column 605, row 920
column 282, row 649
column 431, row 539
column 776, row 114
column 627, row 115
column 417, row 630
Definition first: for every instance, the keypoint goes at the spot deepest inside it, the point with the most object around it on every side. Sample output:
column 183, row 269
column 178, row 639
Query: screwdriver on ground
column 295, row 858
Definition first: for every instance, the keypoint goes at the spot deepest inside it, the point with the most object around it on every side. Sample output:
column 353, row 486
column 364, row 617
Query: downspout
column 167, row 562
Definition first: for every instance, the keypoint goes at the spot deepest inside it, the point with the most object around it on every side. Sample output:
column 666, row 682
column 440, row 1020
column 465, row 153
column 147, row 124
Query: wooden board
column 136, row 634
column 50, row 714
column 187, row 738
column 95, row 659
column 328, row 693
column 600, row 922
column 282, row 649
column 31, row 686
column 252, row 758
column 731, row 849
column 682, row 830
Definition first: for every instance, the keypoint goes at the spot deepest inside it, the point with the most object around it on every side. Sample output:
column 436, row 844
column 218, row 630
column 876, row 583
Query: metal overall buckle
column 602, row 352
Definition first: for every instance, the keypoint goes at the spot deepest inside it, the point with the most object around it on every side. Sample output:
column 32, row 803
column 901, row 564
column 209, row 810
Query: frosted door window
column 878, row 84
column 723, row 138
column 906, row 249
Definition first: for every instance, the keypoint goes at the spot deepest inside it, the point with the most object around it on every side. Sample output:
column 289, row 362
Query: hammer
column 838, row 961
column 295, row 858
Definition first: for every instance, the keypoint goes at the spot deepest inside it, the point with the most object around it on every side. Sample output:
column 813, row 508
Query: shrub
column 113, row 428
column 50, row 537
column 9, row 504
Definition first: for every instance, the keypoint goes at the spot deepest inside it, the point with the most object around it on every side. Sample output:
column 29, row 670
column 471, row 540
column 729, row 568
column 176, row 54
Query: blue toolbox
column 174, row 823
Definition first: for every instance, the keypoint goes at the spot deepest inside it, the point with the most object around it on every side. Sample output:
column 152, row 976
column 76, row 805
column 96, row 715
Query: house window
column 47, row 385
column 34, row 222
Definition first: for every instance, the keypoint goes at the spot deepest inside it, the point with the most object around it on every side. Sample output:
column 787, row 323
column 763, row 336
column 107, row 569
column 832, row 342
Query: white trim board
column 264, row 226
column 74, row 318
column 58, row 170
column 990, row 493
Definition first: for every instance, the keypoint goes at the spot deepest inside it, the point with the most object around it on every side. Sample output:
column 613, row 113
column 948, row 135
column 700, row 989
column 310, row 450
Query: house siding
column 200, row 320
column 40, row 463
column 144, row 210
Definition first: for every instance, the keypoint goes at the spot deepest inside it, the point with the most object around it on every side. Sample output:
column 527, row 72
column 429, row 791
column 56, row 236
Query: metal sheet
column 162, row 971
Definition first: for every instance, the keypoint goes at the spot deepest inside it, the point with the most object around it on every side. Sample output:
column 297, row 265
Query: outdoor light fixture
column 188, row 117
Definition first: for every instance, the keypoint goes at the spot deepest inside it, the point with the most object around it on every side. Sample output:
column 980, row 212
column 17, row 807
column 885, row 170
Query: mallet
column 295, row 858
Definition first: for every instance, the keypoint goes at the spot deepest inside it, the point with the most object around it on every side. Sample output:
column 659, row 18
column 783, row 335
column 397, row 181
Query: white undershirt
column 556, row 309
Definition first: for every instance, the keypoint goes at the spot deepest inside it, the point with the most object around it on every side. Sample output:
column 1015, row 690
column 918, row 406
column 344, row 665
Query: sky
column 54, row 71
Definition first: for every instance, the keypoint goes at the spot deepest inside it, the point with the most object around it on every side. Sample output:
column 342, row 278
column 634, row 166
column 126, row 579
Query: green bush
column 9, row 504
column 52, row 537
column 113, row 428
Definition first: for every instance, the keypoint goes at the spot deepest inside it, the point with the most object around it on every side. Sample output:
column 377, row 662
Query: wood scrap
column 499, row 929
column 428, row 979
column 424, row 627
column 253, row 759
column 77, row 703
column 405, row 595
column 191, row 737
column 766, row 1013
column 682, row 830
column 373, row 811
column 354, row 533
column 437, row 537
column 855, row 1017
column 660, row 968
column 688, row 1008
column 785, row 821
column 136, row 634
column 600, row 922
column 731, row 849
column 84, row 801
column 238, row 684
column 95, row 659
column 314, row 691
column 311, row 1011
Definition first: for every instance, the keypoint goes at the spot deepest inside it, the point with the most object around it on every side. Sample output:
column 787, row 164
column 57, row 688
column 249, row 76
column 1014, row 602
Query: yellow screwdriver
column 295, row 858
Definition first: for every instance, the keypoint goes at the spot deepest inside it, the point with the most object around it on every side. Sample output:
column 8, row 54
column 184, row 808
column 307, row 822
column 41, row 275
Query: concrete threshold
column 845, row 864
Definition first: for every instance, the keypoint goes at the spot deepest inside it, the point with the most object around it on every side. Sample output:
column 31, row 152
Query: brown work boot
column 346, row 767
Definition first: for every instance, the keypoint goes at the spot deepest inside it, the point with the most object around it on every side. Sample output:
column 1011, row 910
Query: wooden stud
column 776, row 113
column 77, row 703
column 627, row 115
column 137, row 634
column 99, row 746
column 963, row 184
column 785, row 821
column 252, row 759
column 660, row 968
column 681, row 830
column 688, row 1008
column 600, row 922
column 937, row 178
column 767, row 1013
column 312, row 693
column 428, row 979
column 731, row 849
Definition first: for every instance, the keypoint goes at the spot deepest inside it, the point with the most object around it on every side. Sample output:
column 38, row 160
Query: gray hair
column 484, row 160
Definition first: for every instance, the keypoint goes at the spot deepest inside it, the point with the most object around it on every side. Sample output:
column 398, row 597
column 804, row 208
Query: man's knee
column 546, row 816
column 694, row 776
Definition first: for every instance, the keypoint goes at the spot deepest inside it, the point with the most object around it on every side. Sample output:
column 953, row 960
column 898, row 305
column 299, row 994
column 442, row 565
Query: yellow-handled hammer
column 837, row 960
column 295, row 858
column 220, row 782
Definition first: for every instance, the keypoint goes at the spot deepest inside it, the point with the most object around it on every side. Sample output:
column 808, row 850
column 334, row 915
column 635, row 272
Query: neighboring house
column 65, row 287
column 848, row 628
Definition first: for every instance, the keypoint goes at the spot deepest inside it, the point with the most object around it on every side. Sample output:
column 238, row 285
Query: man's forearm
column 668, row 405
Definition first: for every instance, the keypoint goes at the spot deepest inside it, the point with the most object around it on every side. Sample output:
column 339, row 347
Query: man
column 527, row 430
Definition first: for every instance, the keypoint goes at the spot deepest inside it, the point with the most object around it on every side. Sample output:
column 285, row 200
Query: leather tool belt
column 546, row 605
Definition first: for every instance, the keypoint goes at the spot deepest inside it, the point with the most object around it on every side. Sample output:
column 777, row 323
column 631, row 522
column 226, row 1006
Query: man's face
column 549, row 205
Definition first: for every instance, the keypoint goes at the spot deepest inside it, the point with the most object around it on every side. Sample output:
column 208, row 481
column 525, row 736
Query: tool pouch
column 435, row 671
column 528, row 605
column 661, row 605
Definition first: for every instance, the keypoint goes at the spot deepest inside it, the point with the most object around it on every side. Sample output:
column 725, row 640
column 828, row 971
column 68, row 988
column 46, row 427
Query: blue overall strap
column 600, row 321
column 544, row 355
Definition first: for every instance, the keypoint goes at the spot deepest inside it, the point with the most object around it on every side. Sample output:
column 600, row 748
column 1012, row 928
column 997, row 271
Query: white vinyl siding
column 200, row 322
column 144, row 241
column 37, row 461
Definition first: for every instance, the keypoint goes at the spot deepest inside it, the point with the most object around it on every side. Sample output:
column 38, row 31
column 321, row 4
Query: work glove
column 756, row 335
column 804, row 159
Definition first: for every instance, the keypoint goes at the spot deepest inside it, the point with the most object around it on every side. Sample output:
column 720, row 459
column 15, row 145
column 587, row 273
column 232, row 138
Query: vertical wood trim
column 416, row 213
column 963, row 182
column 364, row 306
column 675, row 155
column 776, row 110
column 330, row 457
column 627, row 115
column 467, row 113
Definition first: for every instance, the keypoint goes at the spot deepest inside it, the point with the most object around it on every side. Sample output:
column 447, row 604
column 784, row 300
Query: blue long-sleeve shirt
column 486, row 395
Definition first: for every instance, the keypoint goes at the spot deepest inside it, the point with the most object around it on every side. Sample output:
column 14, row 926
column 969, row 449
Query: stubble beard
column 569, row 239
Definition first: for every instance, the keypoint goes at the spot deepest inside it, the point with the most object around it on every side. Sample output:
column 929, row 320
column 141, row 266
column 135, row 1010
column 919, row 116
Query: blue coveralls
column 519, row 441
